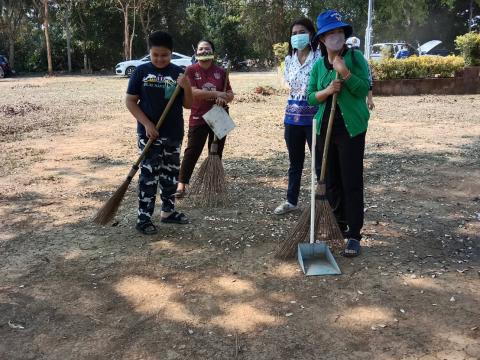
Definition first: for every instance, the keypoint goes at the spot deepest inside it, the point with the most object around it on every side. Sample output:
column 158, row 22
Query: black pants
column 344, row 178
column 197, row 136
column 295, row 137
column 160, row 167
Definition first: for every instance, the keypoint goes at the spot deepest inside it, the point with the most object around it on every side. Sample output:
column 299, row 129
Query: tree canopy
column 100, row 33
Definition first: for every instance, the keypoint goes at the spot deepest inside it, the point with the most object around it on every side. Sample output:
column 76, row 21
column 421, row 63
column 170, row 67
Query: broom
column 110, row 208
column 324, row 219
column 210, row 187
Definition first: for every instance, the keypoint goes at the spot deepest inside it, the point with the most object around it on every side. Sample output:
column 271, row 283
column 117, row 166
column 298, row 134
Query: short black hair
column 160, row 38
column 207, row 41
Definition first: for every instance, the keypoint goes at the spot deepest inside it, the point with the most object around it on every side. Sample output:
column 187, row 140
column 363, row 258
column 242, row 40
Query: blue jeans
column 295, row 137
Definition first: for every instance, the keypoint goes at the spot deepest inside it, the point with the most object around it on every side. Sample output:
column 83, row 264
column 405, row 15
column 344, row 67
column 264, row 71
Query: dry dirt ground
column 212, row 289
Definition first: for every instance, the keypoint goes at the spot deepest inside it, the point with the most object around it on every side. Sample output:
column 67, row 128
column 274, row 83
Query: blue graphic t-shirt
column 154, row 87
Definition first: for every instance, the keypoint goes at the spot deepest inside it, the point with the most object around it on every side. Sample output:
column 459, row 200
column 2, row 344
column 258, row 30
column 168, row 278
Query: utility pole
column 470, row 14
column 369, row 30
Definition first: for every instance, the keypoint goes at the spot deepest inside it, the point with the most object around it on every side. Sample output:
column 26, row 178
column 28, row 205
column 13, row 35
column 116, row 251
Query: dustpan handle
column 312, row 190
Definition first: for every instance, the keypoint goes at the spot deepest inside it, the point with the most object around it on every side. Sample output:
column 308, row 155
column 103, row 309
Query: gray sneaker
column 284, row 208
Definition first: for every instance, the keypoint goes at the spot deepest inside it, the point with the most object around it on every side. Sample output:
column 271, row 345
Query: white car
column 126, row 68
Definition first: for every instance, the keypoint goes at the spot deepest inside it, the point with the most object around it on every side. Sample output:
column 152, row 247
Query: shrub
column 280, row 50
column 387, row 52
column 417, row 67
column 469, row 46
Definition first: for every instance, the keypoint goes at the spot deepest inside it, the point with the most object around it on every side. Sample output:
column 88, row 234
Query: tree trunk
column 144, row 28
column 47, row 38
column 126, row 33
column 69, row 48
column 147, row 45
column 69, row 39
column 130, row 45
column 11, row 52
column 145, row 20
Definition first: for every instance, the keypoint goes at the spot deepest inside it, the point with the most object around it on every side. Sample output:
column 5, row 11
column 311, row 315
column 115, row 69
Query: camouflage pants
column 160, row 166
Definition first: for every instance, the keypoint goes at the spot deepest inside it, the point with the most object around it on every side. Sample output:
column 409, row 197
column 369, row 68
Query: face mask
column 300, row 41
column 335, row 41
column 204, row 56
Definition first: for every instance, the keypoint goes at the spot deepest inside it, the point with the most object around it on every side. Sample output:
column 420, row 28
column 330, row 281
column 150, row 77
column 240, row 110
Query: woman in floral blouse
column 302, row 55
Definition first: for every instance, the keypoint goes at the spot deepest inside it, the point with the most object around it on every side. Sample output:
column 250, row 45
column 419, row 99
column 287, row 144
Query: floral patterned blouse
column 297, row 76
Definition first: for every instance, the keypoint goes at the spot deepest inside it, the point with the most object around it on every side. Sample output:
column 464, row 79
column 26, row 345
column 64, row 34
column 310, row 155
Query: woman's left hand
column 220, row 101
column 370, row 103
column 339, row 66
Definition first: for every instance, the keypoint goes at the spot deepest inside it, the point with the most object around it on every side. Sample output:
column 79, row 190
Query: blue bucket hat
column 331, row 20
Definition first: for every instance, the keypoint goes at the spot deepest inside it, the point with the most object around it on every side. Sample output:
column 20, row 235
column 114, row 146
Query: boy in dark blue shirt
column 149, row 90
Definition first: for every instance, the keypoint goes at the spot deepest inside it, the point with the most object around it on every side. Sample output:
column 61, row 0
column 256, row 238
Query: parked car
column 433, row 48
column 4, row 67
column 400, row 50
column 126, row 68
column 403, row 50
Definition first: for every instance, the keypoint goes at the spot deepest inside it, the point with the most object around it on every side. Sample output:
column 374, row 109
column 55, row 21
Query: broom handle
column 328, row 135
column 160, row 122
column 214, row 146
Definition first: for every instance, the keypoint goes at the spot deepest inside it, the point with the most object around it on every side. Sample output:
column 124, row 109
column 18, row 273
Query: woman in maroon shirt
column 208, row 82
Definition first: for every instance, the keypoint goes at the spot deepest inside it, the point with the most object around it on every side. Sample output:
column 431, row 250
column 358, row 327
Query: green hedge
column 417, row 67
column 469, row 45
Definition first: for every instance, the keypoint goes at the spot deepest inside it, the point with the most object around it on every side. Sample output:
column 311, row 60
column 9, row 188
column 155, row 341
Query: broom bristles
column 326, row 229
column 327, row 226
column 209, row 187
column 300, row 233
column 110, row 208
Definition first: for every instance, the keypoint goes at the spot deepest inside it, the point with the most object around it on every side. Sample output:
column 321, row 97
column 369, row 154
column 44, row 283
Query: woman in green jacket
column 344, row 179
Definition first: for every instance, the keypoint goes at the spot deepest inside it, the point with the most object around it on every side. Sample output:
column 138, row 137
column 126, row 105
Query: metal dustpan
column 219, row 121
column 317, row 259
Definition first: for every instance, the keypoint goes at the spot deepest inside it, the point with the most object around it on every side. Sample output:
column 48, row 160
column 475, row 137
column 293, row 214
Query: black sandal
column 146, row 228
column 352, row 249
column 175, row 218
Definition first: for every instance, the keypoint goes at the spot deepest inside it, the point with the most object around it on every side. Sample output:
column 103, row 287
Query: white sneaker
column 284, row 208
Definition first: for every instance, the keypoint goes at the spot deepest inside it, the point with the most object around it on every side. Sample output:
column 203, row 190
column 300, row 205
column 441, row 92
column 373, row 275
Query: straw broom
column 110, row 208
column 324, row 219
column 210, row 187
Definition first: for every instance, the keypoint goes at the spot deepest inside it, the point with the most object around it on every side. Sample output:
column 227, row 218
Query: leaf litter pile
column 20, row 118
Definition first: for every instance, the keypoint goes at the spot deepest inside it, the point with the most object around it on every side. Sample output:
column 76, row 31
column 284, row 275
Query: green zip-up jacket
column 351, row 99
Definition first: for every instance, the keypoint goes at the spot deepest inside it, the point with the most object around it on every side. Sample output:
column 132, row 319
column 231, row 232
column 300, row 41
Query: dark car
column 4, row 67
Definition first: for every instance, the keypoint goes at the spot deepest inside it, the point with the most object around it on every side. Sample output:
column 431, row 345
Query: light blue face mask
column 300, row 41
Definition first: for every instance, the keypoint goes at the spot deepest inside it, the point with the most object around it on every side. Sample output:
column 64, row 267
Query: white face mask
column 335, row 41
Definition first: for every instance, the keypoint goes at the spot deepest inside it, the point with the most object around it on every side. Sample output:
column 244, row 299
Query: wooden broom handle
column 328, row 136
column 159, row 124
